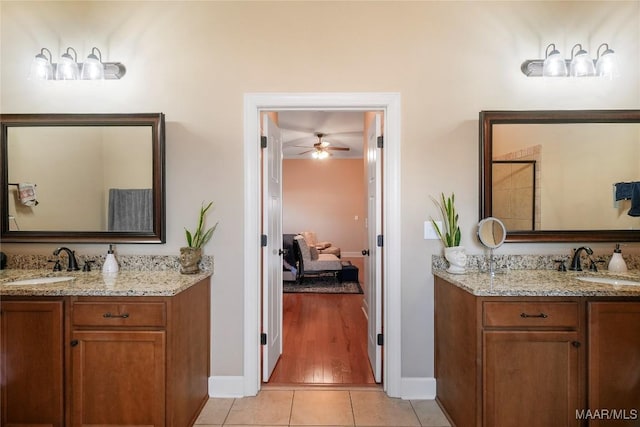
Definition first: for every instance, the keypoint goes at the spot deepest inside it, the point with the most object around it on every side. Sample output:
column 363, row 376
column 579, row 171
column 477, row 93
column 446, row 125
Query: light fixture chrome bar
column 44, row 68
column 114, row 70
column 533, row 67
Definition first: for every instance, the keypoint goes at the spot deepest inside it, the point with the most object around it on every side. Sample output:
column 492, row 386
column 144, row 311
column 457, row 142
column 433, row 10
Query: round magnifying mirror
column 492, row 232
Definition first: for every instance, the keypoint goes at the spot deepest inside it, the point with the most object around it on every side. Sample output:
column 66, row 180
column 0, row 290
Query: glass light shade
column 92, row 69
column 582, row 65
column 320, row 154
column 554, row 65
column 607, row 66
column 41, row 68
column 67, row 68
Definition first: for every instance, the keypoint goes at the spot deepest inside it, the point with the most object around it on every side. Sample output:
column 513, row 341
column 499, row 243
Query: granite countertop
column 123, row 283
column 542, row 283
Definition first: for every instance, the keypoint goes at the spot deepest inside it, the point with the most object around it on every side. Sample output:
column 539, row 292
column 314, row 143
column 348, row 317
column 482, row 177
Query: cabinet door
column 614, row 363
column 530, row 378
column 31, row 363
column 118, row 378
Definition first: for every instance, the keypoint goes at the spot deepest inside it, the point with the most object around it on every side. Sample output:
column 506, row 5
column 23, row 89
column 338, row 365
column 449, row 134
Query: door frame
column 389, row 103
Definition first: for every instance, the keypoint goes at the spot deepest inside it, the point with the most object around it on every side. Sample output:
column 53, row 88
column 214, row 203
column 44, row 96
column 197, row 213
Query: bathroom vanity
column 537, row 348
column 126, row 351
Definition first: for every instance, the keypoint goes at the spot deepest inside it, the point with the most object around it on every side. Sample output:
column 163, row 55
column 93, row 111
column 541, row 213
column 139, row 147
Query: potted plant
column 450, row 234
column 191, row 255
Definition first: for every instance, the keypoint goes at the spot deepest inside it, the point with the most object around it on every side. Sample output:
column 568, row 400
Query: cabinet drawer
column 530, row 314
column 119, row 314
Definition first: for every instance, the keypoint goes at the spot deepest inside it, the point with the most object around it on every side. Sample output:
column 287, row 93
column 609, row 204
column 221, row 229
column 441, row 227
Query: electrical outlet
column 430, row 232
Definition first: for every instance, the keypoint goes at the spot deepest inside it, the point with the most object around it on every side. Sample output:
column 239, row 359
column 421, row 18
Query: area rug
column 322, row 285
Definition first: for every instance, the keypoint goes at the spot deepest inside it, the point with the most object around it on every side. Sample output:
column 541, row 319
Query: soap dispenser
column 110, row 264
column 617, row 263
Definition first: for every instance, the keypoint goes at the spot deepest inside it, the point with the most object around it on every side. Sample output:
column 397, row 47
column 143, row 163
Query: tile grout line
column 353, row 413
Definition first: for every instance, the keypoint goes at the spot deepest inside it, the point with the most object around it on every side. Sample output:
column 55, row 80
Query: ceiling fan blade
column 338, row 148
column 305, row 152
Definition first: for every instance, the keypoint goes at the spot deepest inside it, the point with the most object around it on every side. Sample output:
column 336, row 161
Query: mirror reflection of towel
column 27, row 194
column 130, row 209
column 635, row 200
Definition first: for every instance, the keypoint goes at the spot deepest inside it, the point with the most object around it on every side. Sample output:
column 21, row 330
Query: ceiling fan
column 321, row 148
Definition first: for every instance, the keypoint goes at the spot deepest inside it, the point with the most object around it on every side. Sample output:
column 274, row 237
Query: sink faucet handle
column 56, row 266
column 87, row 265
column 561, row 266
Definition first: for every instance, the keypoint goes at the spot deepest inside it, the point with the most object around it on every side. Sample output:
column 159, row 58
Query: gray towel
column 131, row 209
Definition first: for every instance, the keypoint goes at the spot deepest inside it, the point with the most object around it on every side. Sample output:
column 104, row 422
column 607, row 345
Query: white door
column 373, row 262
column 272, row 252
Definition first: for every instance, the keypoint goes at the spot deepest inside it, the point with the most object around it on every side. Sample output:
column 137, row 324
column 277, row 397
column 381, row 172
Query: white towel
column 27, row 194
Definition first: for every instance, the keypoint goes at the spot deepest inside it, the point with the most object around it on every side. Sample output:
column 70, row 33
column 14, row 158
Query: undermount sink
column 39, row 280
column 609, row 280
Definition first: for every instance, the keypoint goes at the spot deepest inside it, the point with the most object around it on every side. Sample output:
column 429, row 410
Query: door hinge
column 380, row 141
column 263, row 142
column 263, row 240
column 380, row 240
column 380, row 339
column 263, row 339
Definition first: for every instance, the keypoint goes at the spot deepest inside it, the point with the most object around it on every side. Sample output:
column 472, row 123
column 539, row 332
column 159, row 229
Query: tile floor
column 305, row 407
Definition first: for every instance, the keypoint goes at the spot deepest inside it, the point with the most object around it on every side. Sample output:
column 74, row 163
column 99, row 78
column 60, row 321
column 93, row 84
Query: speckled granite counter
column 124, row 283
column 542, row 283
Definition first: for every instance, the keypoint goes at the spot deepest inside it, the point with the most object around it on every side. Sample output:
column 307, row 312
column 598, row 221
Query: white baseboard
column 227, row 386
column 418, row 388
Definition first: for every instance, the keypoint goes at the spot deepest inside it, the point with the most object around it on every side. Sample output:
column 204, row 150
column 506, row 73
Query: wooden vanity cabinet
column 31, row 362
column 614, row 361
column 508, row 361
column 531, row 363
column 105, row 361
column 139, row 361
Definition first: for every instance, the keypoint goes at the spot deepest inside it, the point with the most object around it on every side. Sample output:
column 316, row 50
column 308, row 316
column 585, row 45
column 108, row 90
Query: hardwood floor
column 325, row 341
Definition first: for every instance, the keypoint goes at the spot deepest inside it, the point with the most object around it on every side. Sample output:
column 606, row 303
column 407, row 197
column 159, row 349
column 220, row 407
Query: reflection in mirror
column 491, row 233
column 552, row 175
column 95, row 178
column 86, row 178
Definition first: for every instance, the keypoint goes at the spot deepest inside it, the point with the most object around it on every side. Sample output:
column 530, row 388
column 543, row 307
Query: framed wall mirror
column 558, row 176
column 93, row 178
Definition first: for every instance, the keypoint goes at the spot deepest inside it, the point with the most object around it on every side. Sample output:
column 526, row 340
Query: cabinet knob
column 74, row 343
column 576, row 344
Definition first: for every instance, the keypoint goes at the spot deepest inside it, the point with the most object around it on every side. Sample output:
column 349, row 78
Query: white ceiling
column 341, row 129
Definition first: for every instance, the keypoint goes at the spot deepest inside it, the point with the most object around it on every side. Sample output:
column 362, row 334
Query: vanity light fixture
column 67, row 68
column 579, row 65
column 554, row 65
column 43, row 68
column 606, row 64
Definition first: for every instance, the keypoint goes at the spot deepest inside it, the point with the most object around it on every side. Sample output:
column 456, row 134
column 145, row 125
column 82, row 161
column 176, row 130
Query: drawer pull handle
column 113, row 316
column 540, row 316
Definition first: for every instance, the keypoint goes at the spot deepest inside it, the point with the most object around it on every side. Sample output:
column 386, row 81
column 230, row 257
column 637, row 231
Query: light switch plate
column 430, row 231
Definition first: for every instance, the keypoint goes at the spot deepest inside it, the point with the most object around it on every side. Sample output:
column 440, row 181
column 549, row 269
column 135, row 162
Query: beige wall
column 194, row 61
column 325, row 196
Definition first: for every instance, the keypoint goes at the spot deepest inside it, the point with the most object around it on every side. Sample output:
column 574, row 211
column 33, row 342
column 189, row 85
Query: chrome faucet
column 73, row 263
column 575, row 261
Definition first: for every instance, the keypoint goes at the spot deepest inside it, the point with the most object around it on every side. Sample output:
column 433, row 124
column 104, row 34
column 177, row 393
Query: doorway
column 390, row 104
column 324, row 335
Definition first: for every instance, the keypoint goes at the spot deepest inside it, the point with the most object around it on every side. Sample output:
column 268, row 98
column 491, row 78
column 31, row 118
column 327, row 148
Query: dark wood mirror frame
column 490, row 118
column 154, row 120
